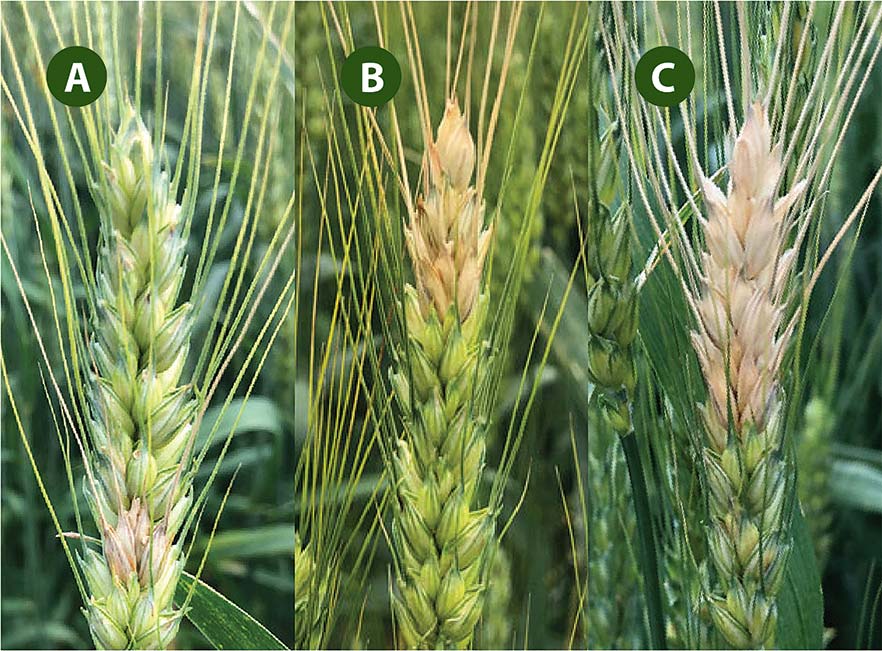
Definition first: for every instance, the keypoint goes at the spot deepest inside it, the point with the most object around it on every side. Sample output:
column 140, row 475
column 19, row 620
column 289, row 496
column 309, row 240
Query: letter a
column 77, row 77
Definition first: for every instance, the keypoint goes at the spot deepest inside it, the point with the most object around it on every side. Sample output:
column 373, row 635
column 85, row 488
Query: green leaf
column 223, row 623
column 857, row 485
column 260, row 414
column 275, row 540
column 801, row 601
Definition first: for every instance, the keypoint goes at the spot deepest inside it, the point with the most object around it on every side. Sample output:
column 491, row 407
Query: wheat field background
column 515, row 360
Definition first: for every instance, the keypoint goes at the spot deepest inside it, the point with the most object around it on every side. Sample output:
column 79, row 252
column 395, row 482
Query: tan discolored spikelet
column 446, row 238
column 740, row 343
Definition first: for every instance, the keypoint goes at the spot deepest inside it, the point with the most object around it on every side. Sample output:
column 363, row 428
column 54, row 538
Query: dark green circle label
column 370, row 76
column 76, row 76
column 664, row 76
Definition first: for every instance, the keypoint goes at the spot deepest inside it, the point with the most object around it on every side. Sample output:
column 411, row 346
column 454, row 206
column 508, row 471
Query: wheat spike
column 309, row 597
column 440, row 537
column 496, row 625
column 740, row 343
column 141, row 417
column 612, row 299
column 612, row 326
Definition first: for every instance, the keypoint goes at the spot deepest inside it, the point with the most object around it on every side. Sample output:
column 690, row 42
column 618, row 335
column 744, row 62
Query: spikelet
column 141, row 416
column 440, row 538
column 611, row 617
column 612, row 299
column 309, row 597
column 740, row 342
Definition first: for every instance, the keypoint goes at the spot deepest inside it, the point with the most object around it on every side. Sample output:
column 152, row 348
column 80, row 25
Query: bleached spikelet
column 740, row 343
column 446, row 238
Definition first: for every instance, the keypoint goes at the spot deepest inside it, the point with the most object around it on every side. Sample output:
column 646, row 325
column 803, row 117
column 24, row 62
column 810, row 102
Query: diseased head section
column 446, row 237
column 132, row 585
column 135, row 546
column 140, row 417
column 742, row 301
column 452, row 155
column 125, row 193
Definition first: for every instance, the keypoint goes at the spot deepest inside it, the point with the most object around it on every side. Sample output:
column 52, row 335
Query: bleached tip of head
column 453, row 152
column 785, row 203
column 754, row 168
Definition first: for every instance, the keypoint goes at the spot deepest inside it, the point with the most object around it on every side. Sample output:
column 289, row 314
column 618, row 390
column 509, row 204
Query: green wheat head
column 141, row 420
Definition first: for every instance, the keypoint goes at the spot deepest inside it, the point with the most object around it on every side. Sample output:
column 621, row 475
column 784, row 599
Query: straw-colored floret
column 740, row 342
column 446, row 239
column 141, row 416
column 441, row 538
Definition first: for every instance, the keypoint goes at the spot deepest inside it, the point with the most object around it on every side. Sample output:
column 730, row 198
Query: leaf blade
column 801, row 600
column 224, row 624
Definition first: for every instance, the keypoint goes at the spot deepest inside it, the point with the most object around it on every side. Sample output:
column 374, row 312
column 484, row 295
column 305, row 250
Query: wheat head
column 740, row 342
column 141, row 416
column 440, row 537
column 612, row 298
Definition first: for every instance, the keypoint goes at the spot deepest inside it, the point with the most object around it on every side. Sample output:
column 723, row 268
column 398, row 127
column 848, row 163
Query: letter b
column 371, row 77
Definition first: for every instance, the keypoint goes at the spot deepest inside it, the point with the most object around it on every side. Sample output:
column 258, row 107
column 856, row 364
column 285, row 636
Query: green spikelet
column 611, row 615
column 440, row 538
column 141, row 416
column 309, row 595
column 612, row 301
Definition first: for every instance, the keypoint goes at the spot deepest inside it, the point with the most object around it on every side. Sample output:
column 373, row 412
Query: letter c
column 656, row 80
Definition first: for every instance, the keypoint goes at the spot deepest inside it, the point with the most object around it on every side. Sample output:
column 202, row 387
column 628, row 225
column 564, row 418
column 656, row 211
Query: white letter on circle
column 77, row 77
column 371, row 81
column 656, row 81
